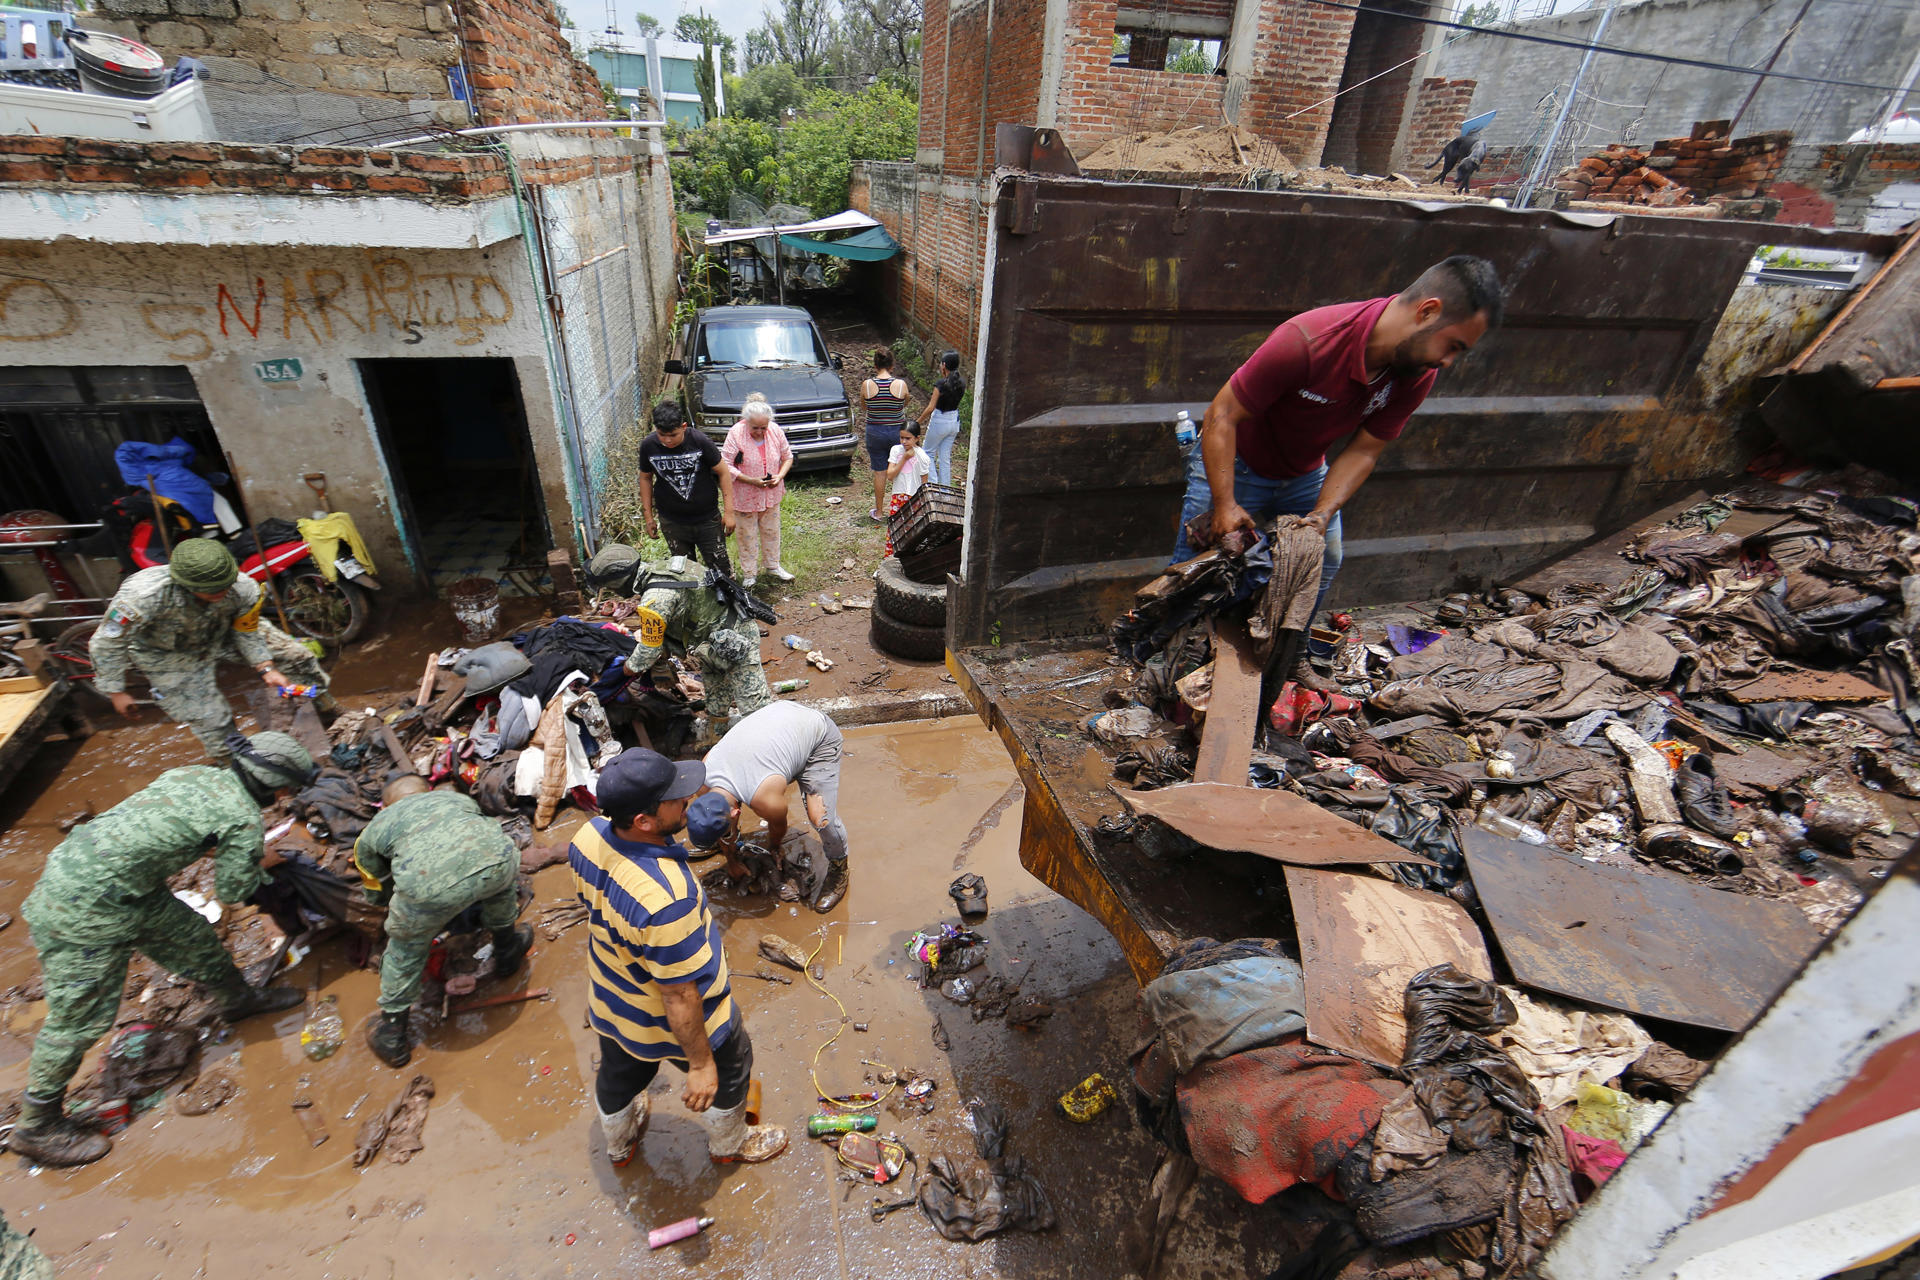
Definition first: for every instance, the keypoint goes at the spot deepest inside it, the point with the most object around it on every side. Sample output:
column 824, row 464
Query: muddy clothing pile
column 1712, row 740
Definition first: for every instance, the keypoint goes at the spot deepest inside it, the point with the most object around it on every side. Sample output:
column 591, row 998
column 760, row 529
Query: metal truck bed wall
column 1109, row 306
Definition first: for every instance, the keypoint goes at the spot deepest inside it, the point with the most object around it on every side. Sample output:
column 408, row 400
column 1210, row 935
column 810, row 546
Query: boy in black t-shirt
column 681, row 470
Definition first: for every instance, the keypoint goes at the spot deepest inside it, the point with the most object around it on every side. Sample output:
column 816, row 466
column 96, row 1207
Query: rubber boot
column 237, row 1000
column 389, row 1038
column 46, row 1135
column 834, row 887
column 623, row 1129
column 510, row 947
column 731, row 1140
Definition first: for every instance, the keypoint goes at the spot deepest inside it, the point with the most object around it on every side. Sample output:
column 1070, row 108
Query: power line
column 1603, row 48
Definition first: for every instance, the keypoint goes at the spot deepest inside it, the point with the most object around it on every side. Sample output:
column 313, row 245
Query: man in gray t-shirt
column 781, row 743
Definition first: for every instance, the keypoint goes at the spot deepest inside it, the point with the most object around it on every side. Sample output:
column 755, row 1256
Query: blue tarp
column 171, row 466
column 871, row 245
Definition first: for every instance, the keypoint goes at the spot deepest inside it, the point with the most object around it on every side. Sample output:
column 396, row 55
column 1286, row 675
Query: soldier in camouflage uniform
column 678, row 615
column 20, row 1257
column 104, row 896
column 175, row 623
column 430, row 855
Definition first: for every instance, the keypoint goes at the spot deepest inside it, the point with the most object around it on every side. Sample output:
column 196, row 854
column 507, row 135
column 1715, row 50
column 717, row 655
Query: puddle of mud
column 513, row 1181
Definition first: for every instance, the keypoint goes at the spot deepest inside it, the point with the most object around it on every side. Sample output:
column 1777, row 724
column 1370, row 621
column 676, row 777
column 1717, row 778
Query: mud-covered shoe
column 390, row 1038
column 1307, row 678
column 731, row 1140
column 46, row 1135
column 833, row 888
column 623, row 1129
column 510, row 947
column 237, row 1000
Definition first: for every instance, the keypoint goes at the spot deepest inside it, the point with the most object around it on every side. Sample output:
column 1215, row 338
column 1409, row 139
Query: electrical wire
column 1615, row 50
column 845, row 1017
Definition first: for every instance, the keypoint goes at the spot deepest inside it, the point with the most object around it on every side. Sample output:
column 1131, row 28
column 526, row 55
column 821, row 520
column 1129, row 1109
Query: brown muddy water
column 514, row 1180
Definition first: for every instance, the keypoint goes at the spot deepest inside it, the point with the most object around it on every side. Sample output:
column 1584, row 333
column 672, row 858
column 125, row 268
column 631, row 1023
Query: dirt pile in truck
column 1656, row 774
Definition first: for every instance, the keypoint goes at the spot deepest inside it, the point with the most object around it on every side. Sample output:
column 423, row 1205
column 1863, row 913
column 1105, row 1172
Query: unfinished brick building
column 1097, row 69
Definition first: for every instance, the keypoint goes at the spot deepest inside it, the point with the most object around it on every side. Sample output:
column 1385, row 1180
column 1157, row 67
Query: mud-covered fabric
column 84, row 975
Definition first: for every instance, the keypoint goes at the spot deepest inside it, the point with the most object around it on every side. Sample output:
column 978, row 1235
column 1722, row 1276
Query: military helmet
column 200, row 565
column 272, row 759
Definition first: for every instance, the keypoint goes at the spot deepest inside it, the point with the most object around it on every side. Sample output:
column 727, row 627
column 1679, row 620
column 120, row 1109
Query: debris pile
column 1657, row 774
column 1621, row 174
column 1704, row 168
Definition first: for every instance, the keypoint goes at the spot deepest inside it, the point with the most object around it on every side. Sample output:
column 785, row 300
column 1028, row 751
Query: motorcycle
column 333, row 611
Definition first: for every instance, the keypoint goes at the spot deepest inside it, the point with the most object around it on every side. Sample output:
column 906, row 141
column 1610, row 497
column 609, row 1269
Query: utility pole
column 1526, row 190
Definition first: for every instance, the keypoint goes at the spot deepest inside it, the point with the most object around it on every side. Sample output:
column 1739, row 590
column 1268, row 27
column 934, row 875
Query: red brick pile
column 1715, row 167
column 1622, row 175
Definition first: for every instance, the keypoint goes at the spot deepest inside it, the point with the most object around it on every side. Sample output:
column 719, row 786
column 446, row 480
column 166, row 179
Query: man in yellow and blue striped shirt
column 660, row 991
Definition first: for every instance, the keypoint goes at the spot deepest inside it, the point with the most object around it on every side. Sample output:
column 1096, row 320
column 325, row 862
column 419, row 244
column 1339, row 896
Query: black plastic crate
column 931, row 518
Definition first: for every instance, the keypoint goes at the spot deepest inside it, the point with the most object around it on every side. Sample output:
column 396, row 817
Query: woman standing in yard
column 757, row 455
column 886, row 398
column 908, row 467
column 942, row 417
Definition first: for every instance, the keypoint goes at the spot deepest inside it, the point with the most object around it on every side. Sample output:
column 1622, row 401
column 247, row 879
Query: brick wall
column 1836, row 185
column 201, row 167
column 523, row 68
column 1373, row 89
column 1711, row 165
column 1439, row 108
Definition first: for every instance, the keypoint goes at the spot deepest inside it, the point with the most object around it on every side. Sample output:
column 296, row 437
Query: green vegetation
column 808, row 162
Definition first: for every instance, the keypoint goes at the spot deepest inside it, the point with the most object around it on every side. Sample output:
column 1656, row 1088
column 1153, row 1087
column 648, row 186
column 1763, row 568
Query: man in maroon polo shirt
column 1360, row 367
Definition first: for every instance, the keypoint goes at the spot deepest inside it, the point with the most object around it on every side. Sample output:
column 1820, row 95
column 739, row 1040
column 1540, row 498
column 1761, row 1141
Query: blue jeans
column 1264, row 499
column 943, row 429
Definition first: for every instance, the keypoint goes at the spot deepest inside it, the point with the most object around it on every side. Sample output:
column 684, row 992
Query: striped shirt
column 647, row 924
column 886, row 412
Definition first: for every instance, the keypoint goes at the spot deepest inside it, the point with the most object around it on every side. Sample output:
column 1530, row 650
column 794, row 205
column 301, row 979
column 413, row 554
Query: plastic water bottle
column 325, row 1029
column 1184, row 432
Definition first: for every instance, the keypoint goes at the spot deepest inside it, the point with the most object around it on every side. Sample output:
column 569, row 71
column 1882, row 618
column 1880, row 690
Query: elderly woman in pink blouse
column 757, row 456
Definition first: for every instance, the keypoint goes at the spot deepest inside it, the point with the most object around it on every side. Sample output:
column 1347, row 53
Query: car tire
column 915, row 603
column 906, row 640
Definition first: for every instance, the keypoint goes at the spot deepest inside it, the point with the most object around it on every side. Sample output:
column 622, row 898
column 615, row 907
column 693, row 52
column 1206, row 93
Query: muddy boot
column 46, row 1135
column 328, row 709
column 390, row 1039
column 623, row 1129
column 510, row 947
column 731, row 1140
column 833, row 888
column 237, row 1000
column 1307, row 678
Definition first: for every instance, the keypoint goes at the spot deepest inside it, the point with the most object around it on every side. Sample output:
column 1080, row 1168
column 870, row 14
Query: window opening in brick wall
column 1187, row 38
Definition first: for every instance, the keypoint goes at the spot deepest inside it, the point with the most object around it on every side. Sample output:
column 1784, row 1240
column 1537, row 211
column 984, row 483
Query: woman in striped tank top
column 886, row 398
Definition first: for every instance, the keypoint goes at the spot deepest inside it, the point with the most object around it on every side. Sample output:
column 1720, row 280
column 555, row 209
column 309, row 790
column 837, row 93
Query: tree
column 1188, row 57
column 725, row 155
column 1481, row 15
column 703, row 82
column 818, row 151
column 799, row 34
column 704, row 28
column 645, row 24
column 765, row 92
column 882, row 39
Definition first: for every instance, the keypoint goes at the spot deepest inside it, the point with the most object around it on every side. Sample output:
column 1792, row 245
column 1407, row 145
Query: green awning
column 870, row 245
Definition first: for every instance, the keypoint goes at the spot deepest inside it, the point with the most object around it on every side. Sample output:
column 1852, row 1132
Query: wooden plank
column 22, row 684
column 1226, row 741
column 16, row 707
column 1897, row 384
column 1362, row 939
column 25, row 717
column 1270, row 823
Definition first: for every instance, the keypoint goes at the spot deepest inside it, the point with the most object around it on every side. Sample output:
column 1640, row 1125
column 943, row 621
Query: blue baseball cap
column 638, row 780
column 709, row 819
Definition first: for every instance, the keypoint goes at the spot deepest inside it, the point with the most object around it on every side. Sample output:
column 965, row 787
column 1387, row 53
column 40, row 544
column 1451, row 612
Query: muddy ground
column 513, row 1180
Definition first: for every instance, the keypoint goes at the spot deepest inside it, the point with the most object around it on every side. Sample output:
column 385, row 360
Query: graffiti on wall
column 323, row 306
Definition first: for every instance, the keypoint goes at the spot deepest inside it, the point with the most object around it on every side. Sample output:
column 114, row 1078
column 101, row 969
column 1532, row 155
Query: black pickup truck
column 726, row 354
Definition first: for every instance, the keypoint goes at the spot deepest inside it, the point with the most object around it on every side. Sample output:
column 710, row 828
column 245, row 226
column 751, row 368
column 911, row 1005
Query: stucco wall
column 219, row 310
column 1867, row 44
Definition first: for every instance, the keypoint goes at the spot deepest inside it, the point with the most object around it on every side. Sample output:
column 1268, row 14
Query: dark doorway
column 60, row 425
column 1373, row 87
column 455, row 436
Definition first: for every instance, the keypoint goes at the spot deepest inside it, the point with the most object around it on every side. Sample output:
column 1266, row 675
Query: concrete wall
column 1872, row 44
column 219, row 310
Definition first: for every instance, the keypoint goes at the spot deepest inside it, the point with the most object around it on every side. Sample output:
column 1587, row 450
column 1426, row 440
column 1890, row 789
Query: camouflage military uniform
column 104, row 896
column 177, row 641
column 693, row 619
column 437, row 854
column 20, row 1258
